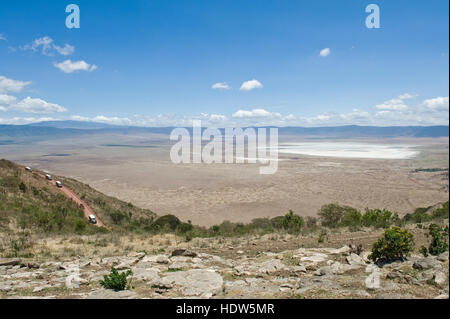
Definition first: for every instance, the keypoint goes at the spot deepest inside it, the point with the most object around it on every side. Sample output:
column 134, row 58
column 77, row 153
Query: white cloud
column 9, row 85
column 255, row 113
column 217, row 117
column 438, row 103
column 396, row 104
column 250, row 85
column 2, row 37
column 221, row 85
column 112, row 120
column 24, row 120
column 407, row 96
column 325, row 52
column 104, row 119
column 66, row 50
column 3, row 109
column 48, row 47
column 7, row 99
column 68, row 66
column 36, row 106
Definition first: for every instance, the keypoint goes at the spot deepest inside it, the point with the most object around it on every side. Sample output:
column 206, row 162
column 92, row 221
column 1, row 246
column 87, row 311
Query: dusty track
column 87, row 210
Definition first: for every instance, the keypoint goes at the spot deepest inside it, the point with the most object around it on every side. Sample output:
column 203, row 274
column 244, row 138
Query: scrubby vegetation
column 31, row 205
column 115, row 280
column 28, row 203
column 439, row 240
column 396, row 243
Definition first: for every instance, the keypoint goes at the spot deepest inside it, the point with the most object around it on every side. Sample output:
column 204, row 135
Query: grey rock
column 391, row 295
column 443, row 257
column 440, row 278
column 426, row 263
column 373, row 281
column 146, row 274
column 9, row 261
column 184, row 252
column 354, row 259
column 111, row 294
column 195, row 282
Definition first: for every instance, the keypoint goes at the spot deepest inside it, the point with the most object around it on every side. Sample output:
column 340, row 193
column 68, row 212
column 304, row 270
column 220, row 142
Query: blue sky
column 155, row 63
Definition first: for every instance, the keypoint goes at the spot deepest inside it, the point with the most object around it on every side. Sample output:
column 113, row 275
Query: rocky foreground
column 301, row 273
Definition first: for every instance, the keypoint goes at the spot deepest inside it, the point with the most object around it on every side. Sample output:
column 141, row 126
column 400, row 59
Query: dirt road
column 87, row 210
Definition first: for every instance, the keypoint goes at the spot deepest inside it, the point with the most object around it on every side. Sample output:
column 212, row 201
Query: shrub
column 396, row 243
column 115, row 280
column 352, row 218
column 22, row 187
column 168, row 222
column 322, row 236
column 420, row 215
column 291, row 222
column 439, row 242
column 117, row 217
column 183, row 228
column 311, row 222
column 80, row 225
column 424, row 251
column 331, row 214
column 441, row 213
column 379, row 218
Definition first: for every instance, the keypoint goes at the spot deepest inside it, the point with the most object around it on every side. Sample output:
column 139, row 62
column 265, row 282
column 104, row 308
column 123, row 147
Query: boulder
column 74, row 281
column 373, row 281
column 145, row 274
column 426, row 263
column 195, row 282
column 443, row 257
column 271, row 266
column 9, row 261
column 184, row 252
column 354, row 259
column 439, row 278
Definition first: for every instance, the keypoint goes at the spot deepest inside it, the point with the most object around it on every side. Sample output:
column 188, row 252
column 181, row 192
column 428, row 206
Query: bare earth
column 207, row 194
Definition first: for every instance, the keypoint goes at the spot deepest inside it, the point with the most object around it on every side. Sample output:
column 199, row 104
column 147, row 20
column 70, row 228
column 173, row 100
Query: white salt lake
column 351, row 150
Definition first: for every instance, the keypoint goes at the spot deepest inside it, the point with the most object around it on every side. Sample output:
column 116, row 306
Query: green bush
column 441, row 213
column 379, row 218
column 439, row 241
column 420, row 215
column 118, row 216
column 424, row 251
column 115, row 280
column 331, row 214
column 166, row 222
column 183, row 228
column 291, row 222
column 352, row 218
column 396, row 243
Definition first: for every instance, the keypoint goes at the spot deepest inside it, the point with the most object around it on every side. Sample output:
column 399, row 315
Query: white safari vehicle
column 58, row 184
column 48, row 177
column 92, row 219
column 28, row 169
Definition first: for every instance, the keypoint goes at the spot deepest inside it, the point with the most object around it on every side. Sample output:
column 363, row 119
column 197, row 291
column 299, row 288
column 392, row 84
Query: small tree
column 352, row 218
column 331, row 214
column 439, row 242
column 396, row 243
column 292, row 222
column 115, row 280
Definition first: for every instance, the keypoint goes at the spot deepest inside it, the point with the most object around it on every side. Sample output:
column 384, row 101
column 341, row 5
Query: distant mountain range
column 72, row 128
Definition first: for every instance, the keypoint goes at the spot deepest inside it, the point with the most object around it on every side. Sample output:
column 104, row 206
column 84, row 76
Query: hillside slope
column 29, row 202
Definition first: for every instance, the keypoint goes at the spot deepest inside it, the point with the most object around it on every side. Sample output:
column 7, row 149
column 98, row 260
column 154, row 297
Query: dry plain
column 137, row 168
